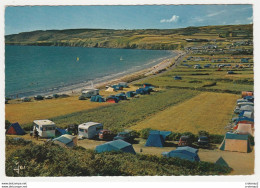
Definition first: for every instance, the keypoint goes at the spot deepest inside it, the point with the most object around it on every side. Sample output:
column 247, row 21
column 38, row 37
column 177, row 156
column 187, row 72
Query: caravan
column 89, row 129
column 89, row 92
column 45, row 128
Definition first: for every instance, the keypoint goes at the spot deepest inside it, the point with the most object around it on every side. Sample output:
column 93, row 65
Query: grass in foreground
column 207, row 111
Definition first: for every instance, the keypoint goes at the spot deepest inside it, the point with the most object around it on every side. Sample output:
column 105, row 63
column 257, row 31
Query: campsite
column 196, row 96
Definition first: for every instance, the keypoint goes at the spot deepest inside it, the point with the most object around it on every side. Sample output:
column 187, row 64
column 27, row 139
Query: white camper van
column 46, row 128
column 89, row 129
column 89, row 92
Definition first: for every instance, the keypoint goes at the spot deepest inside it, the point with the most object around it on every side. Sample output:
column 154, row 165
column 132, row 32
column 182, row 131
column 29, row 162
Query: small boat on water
column 77, row 58
column 121, row 58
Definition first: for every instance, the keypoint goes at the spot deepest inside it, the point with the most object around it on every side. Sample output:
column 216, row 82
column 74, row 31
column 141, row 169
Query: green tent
column 221, row 162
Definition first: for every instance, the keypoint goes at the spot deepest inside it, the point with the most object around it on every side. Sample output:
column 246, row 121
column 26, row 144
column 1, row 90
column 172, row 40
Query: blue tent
column 157, row 138
column 60, row 131
column 121, row 96
column 65, row 140
column 116, row 145
column 177, row 78
column 130, row 94
column 97, row 98
column 244, row 119
column 249, row 98
column 15, row 129
column 187, row 153
column 244, row 60
column 117, row 87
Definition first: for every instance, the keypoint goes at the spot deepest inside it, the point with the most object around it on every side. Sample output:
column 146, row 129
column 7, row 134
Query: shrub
column 144, row 133
column 251, row 140
column 192, row 137
column 203, row 133
column 7, row 124
column 216, row 139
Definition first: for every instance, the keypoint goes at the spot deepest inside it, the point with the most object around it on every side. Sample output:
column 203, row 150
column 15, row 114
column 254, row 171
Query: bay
column 31, row 70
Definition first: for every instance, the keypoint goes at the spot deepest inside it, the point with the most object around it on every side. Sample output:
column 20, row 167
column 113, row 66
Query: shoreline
column 99, row 83
column 135, row 76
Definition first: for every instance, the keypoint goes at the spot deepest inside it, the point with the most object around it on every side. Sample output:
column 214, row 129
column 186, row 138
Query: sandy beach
column 100, row 83
column 154, row 70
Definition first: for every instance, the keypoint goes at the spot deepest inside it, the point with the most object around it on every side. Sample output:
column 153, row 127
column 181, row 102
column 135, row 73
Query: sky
column 30, row 18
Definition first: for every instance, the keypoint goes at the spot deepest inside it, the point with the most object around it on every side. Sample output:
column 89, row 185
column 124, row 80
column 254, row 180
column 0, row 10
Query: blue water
column 31, row 70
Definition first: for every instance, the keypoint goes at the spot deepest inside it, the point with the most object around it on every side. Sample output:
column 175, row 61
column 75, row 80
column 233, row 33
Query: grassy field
column 207, row 111
column 126, row 113
column 27, row 112
column 197, row 78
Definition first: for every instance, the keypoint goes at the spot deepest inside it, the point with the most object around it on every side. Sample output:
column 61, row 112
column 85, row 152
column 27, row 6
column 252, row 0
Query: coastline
column 75, row 89
column 135, row 76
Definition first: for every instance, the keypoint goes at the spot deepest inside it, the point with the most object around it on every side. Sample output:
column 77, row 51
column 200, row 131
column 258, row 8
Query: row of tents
column 242, row 127
column 146, row 89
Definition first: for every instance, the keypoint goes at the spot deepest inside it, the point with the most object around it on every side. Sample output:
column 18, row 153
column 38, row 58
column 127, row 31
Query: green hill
column 164, row 39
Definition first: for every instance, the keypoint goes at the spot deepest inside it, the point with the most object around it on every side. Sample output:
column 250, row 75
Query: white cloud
column 174, row 18
column 215, row 13
column 250, row 18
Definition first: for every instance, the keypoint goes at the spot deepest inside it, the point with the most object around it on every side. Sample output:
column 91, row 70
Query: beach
column 122, row 77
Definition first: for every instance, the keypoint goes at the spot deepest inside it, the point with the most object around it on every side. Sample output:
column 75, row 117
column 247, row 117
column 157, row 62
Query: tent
column 116, row 145
column 247, row 93
column 249, row 98
column 221, row 162
column 186, row 152
column 121, row 96
column 235, row 142
column 110, row 89
column 248, row 114
column 112, row 99
column 247, row 107
column 66, row 140
column 97, row 98
column 123, row 84
column 147, row 85
column 117, row 87
column 177, row 78
column 243, row 128
column 60, row 131
column 130, row 94
column 15, row 129
column 244, row 119
column 144, row 91
column 157, row 138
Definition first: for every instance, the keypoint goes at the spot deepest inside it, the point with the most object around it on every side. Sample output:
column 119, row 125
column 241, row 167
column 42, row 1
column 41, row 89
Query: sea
column 32, row 70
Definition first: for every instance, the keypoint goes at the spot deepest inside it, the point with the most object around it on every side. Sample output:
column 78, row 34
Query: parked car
column 72, row 129
column 48, row 97
column 81, row 97
column 38, row 97
column 184, row 141
column 105, row 135
column 26, row 99
column 203, row 141
column 125, row 136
